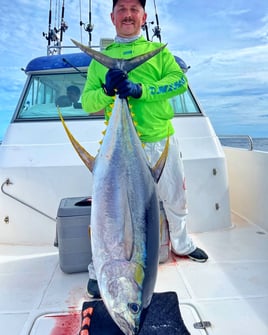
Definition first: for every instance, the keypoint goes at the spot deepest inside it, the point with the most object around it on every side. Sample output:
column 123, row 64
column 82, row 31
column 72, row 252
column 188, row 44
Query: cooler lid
column 75, row 206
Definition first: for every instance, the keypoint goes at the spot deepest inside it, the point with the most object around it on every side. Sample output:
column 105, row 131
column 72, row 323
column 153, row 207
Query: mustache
column 128, row 20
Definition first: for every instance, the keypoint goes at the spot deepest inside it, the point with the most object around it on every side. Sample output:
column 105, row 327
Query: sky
column 224, row 42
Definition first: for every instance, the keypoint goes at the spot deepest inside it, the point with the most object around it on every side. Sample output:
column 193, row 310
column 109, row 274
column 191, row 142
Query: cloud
column 226, row 44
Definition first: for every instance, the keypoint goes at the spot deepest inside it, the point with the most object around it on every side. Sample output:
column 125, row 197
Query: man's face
column 128, row 16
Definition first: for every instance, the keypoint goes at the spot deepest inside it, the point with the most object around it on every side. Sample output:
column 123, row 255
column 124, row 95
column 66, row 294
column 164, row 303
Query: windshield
column 45, row 92
column 185, row 104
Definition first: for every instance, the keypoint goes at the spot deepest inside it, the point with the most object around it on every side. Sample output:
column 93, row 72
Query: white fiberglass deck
column 230, row 290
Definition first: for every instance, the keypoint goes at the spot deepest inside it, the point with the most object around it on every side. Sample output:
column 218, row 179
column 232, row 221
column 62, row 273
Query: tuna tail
column 118, row 63
column 84, row 155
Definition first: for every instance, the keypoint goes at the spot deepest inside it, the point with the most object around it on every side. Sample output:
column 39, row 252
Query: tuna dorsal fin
column 118, row 63
column 160, row 164
column 83, row 154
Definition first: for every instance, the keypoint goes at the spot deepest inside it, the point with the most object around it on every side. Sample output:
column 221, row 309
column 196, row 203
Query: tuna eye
column 134, row 308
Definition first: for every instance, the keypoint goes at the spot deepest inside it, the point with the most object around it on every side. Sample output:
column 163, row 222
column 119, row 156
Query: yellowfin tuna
column 125, row 210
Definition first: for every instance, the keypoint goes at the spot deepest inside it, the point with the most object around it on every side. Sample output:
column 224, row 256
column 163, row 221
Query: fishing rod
column 50, row 32
column 49, row 24
column 53, row 34
column 63, row 25
column 157, row 29
column 88, row 27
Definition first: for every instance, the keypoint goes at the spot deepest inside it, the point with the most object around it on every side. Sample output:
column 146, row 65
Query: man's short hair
column 74, row 89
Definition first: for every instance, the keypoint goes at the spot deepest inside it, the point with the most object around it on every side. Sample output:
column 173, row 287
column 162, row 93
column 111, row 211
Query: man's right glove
column 129, row 89
column 113, row 78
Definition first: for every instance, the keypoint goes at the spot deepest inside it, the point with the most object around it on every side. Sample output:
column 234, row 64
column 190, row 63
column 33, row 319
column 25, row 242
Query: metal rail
column 239, row 137
column 8, row 182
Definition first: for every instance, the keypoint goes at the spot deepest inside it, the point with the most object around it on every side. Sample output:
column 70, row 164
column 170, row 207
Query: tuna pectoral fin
column 128, row 232
column 160, row 164
column 84, row 155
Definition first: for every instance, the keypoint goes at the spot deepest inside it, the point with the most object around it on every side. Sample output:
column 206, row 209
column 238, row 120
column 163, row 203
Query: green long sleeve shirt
column 161, row 78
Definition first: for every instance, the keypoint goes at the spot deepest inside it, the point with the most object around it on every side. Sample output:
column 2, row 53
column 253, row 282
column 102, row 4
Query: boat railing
column 7, row 182
column 239, row 141
column 57, row 49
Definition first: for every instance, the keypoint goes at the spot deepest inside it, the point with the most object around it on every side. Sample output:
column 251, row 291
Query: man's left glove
column 127, row 88
column 114, row 77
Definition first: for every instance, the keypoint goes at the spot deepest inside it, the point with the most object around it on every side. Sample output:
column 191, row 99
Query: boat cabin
column 50, row 77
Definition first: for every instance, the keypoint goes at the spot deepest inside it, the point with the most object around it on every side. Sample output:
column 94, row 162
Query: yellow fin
column 83, row 154
column 160, row 164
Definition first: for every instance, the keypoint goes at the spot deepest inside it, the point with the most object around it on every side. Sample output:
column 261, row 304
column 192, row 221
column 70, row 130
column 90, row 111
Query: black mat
column 162, row 317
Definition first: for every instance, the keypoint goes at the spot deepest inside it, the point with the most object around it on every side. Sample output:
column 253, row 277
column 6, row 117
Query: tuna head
column 122, row 294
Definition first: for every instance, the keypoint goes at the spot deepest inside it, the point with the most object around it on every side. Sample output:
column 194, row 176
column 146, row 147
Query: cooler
column 72, row 229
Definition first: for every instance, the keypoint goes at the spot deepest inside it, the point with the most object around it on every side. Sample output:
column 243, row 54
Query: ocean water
column 243, row 142
column 260, row 144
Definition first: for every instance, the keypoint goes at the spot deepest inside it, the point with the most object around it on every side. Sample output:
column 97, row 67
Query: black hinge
column 202, row 324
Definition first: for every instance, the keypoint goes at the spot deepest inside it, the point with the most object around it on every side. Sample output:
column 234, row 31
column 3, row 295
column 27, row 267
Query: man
column 63, row 101
column 148, row 88
column 73, row 93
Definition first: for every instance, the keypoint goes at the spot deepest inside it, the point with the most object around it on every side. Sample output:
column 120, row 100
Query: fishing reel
column 87, row 27
column 54, row 34
column 156, row 30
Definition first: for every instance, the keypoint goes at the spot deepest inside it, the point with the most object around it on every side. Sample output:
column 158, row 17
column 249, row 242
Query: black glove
column 127, row 88
column 113, row 78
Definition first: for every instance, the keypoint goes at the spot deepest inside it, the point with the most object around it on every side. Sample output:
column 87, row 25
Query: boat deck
column 230, row 290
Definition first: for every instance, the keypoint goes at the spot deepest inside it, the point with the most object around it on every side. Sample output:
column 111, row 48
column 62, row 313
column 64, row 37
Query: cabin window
column 45, row 92
column 185, row 104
